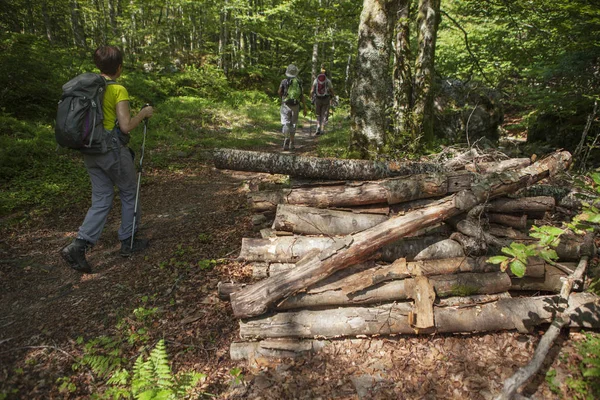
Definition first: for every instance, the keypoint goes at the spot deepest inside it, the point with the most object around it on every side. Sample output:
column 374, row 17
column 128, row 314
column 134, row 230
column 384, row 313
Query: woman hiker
column 114, row 168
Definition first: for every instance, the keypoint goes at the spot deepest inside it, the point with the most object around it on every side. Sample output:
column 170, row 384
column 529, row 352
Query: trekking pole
column 310, row 122
column 139, row 182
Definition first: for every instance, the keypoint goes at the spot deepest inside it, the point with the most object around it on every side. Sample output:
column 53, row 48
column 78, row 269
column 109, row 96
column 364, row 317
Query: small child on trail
column 290, row 92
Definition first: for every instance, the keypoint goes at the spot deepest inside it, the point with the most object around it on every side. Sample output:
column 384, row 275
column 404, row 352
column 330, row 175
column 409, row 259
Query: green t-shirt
column 115, row 93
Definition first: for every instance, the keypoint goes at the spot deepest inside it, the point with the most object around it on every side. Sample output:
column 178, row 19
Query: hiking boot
column 285, row 143
column 138, row 245
column 74, row 255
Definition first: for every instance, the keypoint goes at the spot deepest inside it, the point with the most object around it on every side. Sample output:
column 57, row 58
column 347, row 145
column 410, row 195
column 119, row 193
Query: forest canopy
column 540, row 56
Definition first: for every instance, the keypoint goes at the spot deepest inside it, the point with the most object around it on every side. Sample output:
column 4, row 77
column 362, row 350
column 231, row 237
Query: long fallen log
column 389, row 191
column 505, row 314
column 289, row 249
column 317, row 168
column 317, row 265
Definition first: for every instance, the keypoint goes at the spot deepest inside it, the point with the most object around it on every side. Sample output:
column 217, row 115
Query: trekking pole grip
column 144, row 106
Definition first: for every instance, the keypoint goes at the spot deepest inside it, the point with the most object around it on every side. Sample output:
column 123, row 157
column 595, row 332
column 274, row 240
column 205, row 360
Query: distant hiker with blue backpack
column 290, row 92
column 94, row 117
column 322, row 93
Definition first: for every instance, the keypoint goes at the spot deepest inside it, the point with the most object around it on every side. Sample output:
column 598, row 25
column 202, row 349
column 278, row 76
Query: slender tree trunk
column 402, row 72
column 47, row 22
column 371, row 95
column 427, row 21
column 315, row 51
column 77, row 25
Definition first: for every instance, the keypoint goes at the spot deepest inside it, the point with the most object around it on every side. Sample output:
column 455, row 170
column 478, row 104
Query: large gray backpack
column 79, row 119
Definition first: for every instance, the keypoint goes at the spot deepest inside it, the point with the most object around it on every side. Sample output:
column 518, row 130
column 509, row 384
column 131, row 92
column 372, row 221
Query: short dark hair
column 108, row 59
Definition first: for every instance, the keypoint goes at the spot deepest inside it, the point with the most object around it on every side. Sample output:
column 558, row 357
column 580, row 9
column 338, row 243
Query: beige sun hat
column 291, row 71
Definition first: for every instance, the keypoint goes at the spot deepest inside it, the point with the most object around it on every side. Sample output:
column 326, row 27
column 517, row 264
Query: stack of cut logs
column 397, row 248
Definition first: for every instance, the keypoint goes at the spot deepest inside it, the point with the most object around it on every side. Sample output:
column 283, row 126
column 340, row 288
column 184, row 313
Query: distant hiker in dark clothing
column 290, row 91
column 109, row 169
column 322, row 93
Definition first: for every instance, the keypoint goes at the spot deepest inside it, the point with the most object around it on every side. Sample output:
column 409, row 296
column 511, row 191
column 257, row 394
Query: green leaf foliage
column 518, row 267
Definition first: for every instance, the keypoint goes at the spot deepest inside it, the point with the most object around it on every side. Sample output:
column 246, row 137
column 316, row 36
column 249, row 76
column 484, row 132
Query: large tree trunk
column 317, row 168
column 390, row 191
column 505, row 314
column 370, row 91
column 256, row 299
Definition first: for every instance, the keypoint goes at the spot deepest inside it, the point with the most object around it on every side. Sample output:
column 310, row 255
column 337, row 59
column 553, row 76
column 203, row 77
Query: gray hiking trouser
column 114, row 168
column 322, row 109
column 289, row 120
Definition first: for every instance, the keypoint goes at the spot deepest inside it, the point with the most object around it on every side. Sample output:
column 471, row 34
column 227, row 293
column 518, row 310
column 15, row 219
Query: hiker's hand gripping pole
column 139, row 182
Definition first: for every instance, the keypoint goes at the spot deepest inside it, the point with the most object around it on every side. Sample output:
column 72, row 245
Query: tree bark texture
column 316, row 266
column 317, row 168
column 389, row 191
column 505, row 314
column 370, row 95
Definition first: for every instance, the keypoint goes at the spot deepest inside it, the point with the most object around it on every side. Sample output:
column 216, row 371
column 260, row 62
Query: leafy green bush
column 207, row 81
column 33, row 173
column 32, row 75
